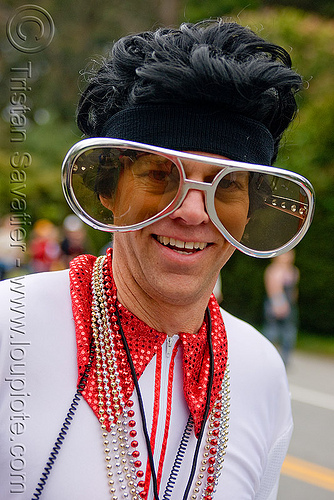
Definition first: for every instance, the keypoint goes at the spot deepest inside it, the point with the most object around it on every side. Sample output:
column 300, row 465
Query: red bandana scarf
column 144, row 342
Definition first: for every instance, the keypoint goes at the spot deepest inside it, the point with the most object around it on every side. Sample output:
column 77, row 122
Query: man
column 191, row 402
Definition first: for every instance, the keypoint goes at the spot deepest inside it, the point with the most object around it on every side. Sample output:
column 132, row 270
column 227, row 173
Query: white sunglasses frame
column 209, row 188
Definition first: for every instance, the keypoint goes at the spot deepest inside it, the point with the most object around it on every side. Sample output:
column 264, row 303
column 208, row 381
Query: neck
column 168, row 316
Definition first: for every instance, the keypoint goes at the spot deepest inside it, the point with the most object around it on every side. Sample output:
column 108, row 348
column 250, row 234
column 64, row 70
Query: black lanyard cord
column 142, row 410
column 207, row 406
column 141, row 407
column 64, row 428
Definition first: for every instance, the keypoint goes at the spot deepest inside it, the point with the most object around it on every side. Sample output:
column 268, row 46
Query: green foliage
column 323, row 7
column 86, row 29
column 315, row 344
column 196, row 10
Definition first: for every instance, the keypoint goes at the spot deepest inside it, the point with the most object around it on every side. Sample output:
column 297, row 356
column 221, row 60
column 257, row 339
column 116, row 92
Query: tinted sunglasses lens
column 262, row 211
column 122, row 187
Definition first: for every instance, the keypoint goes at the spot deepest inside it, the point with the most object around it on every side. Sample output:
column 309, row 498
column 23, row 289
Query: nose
column 192, row 210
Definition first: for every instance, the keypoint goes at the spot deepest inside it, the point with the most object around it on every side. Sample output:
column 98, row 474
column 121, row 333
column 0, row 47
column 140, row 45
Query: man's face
column 178, row 258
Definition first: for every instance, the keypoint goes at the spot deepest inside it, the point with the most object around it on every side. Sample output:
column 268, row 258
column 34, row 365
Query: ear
column 107, row 202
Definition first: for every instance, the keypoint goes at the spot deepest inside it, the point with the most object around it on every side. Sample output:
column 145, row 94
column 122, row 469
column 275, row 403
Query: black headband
column 194, row 127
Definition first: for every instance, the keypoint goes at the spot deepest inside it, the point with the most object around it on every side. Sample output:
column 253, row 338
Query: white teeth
column 179, row 244
column 189, row 245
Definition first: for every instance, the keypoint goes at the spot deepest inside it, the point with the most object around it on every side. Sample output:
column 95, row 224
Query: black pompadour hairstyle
column 214, row 62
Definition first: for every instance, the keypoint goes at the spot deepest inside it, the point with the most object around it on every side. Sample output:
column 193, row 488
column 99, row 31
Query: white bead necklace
column 124, row 467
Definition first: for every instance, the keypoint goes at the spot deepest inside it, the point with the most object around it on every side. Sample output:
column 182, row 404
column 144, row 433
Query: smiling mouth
column 183, row 247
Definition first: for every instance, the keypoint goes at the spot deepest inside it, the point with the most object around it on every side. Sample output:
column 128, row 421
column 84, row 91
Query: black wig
column 209, row 63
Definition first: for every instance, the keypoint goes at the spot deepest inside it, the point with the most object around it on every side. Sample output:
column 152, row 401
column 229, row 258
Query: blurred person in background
column 44, row 246
column 281, row 280
column 9, row 252
column 74, row 239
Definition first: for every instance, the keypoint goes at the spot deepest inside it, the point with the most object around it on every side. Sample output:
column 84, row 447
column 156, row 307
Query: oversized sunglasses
column 117, row 185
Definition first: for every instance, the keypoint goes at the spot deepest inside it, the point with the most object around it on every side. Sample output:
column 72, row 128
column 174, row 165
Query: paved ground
column 308, row 472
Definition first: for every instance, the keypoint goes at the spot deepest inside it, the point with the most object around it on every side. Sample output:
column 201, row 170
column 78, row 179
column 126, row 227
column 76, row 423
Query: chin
column 181, row 290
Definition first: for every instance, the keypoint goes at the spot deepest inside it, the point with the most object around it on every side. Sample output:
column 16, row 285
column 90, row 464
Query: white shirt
column 38, row 376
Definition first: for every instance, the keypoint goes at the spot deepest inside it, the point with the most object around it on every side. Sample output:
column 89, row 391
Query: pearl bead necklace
column 122, row 457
